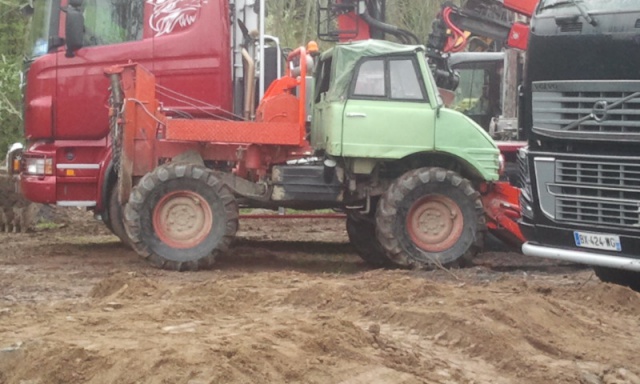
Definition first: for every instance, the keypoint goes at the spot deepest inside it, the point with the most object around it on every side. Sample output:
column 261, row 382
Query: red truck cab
column 187, row 44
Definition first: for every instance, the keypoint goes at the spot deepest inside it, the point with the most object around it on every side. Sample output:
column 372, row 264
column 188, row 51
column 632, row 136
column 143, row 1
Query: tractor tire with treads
column 181, row 216
column 115, row 218
column 362, row 235
column 430, row 217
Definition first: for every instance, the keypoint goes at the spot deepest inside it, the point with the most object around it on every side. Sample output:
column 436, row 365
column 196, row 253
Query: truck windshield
column 592, row 5
column 40, row 26
column 113, row 22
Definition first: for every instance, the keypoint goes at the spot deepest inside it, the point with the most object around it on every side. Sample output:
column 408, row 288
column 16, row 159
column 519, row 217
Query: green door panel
column 326, row 127
column 387, row 129
column 459, row 135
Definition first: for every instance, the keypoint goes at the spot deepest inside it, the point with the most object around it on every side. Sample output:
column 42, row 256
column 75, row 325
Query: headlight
column 38, row 166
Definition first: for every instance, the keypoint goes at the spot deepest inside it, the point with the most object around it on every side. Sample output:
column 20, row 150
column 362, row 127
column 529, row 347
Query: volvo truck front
column 581, row 173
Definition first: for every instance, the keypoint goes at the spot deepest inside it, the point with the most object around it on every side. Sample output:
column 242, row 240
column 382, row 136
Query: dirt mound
column 336, row 337
column 300, row 308
column 62, row 364
column 613, row 298
column 125, row 285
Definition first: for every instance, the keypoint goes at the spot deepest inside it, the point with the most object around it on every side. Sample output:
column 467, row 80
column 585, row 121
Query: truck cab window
column 404, row 80
column 471, row 94
column 370, row 79
column 324, row 79
column 113, row 22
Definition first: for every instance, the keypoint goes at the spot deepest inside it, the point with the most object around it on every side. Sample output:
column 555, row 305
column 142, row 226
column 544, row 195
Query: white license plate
column 597, row 241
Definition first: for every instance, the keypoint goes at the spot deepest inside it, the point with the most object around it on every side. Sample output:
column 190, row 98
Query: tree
column 12, row 40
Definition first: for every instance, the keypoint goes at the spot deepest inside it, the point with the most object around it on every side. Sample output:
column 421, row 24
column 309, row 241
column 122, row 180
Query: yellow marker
column 71, row 172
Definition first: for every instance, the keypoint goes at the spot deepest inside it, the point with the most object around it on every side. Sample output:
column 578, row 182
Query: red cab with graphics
column 67, row 160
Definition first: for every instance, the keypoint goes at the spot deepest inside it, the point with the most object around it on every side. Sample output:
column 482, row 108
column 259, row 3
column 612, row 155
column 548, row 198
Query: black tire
column 362, row 235
column 181, row 217
column 622, row 277
column 429, row 194
column 106, row 220
column 115, row 214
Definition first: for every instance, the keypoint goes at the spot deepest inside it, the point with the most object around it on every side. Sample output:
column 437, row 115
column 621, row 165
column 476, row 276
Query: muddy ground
column 292, row 303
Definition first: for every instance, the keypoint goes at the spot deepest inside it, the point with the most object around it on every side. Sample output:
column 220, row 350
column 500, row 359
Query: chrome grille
column 602, row 192
column 592, row 212
column 604, row 174
column 593, row 110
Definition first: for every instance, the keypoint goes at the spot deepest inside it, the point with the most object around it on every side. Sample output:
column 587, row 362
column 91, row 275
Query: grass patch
column 47, row 225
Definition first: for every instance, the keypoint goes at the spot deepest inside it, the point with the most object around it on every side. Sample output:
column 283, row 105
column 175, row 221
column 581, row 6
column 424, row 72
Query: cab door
column 115, row 33
column 387, row 114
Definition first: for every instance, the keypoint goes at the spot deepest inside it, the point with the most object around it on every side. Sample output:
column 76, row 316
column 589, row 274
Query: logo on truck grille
column 600, row 111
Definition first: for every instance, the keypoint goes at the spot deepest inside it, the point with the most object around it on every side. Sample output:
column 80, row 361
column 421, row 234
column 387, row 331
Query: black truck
column 580, row 175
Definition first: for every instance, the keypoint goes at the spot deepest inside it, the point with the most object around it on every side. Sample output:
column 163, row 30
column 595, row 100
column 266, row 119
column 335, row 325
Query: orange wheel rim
column 182, row 219
column 435, row 223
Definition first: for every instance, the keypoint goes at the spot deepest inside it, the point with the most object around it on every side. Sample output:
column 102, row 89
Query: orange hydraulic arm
column 485, row 18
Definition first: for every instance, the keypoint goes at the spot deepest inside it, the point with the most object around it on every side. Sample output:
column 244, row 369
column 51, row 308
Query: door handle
column 356, row 114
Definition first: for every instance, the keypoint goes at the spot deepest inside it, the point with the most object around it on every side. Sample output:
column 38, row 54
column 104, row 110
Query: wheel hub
column 182, row 219
column 434, row 223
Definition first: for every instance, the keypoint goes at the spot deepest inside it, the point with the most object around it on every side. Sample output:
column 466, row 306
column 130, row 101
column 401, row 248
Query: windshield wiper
column 590, row 19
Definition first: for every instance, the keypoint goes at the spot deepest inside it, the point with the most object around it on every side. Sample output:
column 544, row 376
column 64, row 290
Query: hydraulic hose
column 402, row 34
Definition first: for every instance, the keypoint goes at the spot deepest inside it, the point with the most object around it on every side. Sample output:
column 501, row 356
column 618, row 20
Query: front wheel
column 623, row 277
column 430, row 217
column 181, row 216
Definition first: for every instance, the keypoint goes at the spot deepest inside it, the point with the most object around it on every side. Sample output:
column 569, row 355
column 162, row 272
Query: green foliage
column 294, row 21
column 12, row 31
column 414, row 15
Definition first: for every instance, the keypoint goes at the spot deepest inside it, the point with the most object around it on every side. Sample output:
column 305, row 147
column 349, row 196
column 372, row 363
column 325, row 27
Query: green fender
column 461, row 137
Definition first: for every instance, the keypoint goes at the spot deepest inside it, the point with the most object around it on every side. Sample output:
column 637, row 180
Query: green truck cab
column 377, row 112
column 377, row 101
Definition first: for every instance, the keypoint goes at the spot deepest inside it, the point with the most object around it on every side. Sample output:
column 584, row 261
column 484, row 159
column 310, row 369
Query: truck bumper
column 39, row 189
column 582, row 257
column 554, row 242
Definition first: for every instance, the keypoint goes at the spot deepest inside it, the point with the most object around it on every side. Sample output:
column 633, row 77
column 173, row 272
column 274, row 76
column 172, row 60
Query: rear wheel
column 623, row 277
column 430, row 217
column 181, row 216
column 362, row 235
column 116, row 217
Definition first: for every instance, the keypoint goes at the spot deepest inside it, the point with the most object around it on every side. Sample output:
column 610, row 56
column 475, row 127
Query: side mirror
column 74, row 28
